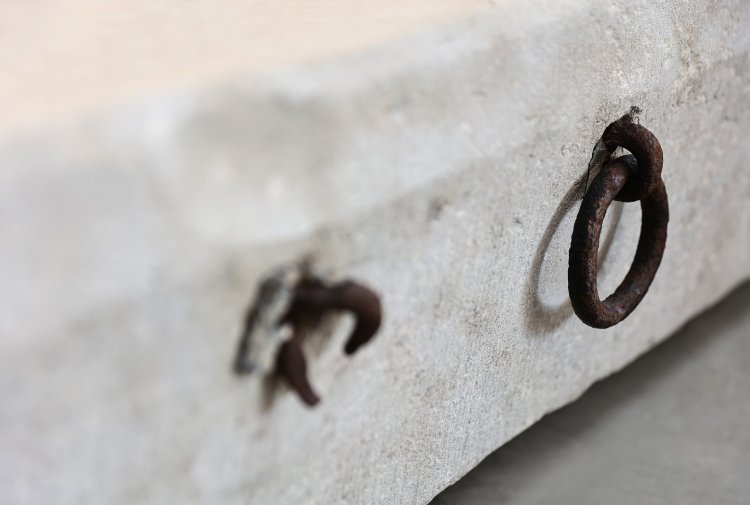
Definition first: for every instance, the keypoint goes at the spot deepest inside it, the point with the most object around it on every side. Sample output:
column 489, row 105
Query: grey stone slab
column 670, row 428
column 442, row 169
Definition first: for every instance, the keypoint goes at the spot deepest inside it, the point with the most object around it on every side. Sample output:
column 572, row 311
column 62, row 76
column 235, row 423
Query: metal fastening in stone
column 626, row 178
column 288, row 301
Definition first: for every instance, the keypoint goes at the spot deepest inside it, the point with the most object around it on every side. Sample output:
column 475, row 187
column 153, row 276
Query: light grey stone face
column 670, row 428
column 444, row 170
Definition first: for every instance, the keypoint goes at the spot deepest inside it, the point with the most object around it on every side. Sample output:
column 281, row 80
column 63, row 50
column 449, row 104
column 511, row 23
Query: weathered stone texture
column 442, row 169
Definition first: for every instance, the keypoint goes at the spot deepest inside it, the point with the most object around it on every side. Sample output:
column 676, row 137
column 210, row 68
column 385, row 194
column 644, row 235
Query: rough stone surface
column 443, row 170
column 670, row 428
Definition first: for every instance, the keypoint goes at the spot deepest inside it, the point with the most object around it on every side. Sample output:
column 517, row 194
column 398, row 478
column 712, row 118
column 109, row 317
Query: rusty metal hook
column 289, row 301
column 312, row 294
column 312, row 299
column 627, row 178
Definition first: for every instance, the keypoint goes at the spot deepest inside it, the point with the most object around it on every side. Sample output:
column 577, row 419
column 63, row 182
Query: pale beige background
column 58, row 58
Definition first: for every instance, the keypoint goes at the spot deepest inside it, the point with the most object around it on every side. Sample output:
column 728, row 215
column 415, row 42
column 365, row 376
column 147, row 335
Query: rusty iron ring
column 582, row 267
column 647, row 151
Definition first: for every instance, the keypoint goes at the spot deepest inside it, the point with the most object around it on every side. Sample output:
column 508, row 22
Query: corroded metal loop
column 312, row 299
column 613, row 179
column 647, row 151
